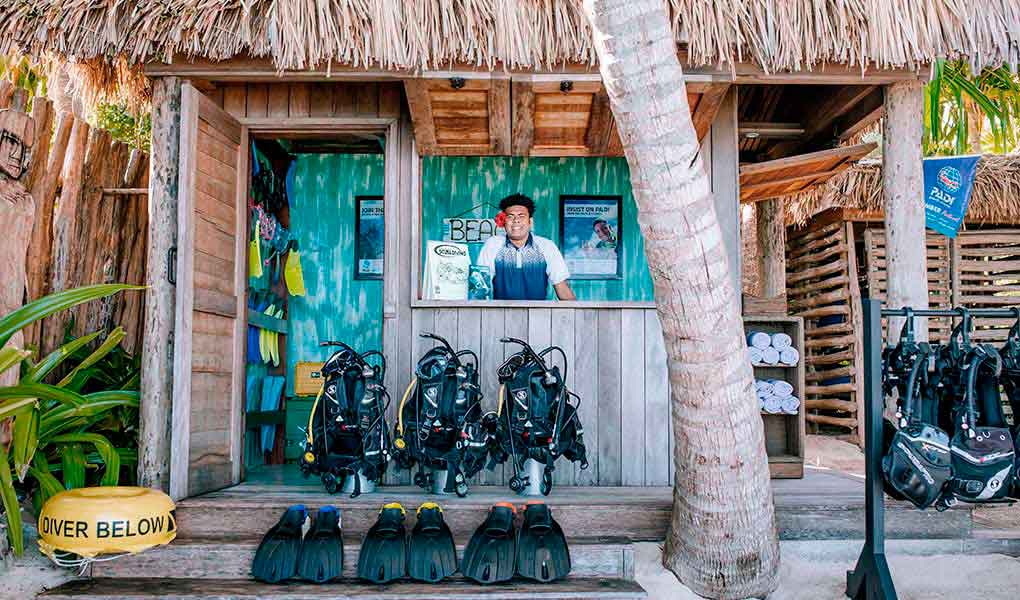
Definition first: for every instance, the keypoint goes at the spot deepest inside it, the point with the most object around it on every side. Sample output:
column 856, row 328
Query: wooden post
column 770, row 219
column 902, row 186
column 42, row 230
column 64, row 244
column 157, row 340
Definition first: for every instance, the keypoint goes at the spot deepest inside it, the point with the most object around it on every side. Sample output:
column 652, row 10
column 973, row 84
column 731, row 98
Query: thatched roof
column 414, row 34
column 994, row 199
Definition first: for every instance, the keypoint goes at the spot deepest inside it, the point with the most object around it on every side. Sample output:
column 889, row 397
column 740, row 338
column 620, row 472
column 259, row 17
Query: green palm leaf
column 107, row 453
column 111, row 342
column 43, row 368
column 11, row 507
column 48, row 305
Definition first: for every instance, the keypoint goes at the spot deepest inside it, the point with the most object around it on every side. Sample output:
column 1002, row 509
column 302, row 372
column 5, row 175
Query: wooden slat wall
column 818, row 287
column 939, row 276
column 282, row 100
column 987, row 275
column 616, row 364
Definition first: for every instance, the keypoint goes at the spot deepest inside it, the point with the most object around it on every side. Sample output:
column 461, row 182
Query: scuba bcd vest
column 1010, row 354
column 536, row 419
column 983, row 455
column 347, row 432
column 917, row 464
column 440, row 421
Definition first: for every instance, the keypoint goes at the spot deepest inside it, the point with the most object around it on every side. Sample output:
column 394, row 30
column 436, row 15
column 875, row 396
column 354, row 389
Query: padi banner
column 947, row 184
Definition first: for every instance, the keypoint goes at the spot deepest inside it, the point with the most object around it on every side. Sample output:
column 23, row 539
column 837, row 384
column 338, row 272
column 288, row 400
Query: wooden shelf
column 784, row 433
column 266, row 322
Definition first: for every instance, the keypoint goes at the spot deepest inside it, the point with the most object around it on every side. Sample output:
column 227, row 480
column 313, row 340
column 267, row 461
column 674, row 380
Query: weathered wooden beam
column 419, row 103
column 903, row 190
column 499, row 116
column 820, row 124
column 753, row 129
column 749, row 192
column 600, row 124
column 862, row 116
column 708, row 107
column 160, row 296
column 770, row 224
column 523, row 96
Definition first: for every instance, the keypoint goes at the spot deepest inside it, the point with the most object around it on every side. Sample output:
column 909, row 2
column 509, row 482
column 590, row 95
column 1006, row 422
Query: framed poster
column 590, row 236
column 369, row 237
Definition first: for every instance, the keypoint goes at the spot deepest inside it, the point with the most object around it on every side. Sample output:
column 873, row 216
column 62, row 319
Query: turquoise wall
column 452, row 185
column 322, row 217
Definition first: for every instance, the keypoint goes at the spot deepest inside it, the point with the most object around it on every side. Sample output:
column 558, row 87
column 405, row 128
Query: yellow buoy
column 90, row 522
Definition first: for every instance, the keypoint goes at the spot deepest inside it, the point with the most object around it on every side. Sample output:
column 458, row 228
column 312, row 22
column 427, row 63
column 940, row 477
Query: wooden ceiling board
column 774, row 178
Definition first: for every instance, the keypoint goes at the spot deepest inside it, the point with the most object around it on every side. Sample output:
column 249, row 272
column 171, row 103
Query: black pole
column 870, row 579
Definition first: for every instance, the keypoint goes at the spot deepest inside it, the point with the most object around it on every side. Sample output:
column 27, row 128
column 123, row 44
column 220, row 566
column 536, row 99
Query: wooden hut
column 452, row 105
column 836, row 255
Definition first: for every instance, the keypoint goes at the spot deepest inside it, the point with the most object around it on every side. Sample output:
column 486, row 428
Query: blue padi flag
column 947, row 184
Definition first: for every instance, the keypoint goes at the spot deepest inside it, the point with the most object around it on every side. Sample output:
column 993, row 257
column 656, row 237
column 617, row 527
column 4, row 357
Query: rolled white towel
column 754, row 355
column 772, row 405
column 781, row 388
column 790, row 405
column 759, row 339
column 770, row 356
column 762, row 386
column 789, row 356
column 781, row 340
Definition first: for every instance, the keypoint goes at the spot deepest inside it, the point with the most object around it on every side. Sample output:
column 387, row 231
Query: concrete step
column 636, row 514
column 231, row 559
column 572, row 588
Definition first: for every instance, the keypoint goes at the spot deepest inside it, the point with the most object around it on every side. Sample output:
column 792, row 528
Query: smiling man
column 523, row 264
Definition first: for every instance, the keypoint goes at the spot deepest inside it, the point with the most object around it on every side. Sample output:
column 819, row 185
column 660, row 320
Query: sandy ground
column 32, row 573
column 829, row 452
column 817, row 571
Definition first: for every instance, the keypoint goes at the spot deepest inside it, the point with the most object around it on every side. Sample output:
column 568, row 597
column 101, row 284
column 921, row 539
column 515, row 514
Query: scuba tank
column 347, row 433
column 536, row 419
column 917, row 464
column 440, row 421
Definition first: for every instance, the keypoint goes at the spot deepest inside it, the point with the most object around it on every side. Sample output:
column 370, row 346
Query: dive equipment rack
column 870, row 579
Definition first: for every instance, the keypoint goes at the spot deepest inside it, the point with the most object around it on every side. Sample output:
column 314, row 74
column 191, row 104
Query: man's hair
column 518, row 200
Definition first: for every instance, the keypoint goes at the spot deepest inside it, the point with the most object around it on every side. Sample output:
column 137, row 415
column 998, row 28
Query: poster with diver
column 369, row 238
column 590, row 236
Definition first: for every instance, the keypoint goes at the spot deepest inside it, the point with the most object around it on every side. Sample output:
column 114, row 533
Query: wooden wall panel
column 319, row 99
column 617, row 365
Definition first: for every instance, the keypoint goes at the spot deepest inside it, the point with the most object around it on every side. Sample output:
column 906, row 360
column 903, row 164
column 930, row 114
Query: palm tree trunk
column 722, row 541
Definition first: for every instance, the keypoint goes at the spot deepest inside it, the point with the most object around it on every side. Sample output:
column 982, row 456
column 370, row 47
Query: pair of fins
column 428, row 554
column 287, row 551
column 538, row 551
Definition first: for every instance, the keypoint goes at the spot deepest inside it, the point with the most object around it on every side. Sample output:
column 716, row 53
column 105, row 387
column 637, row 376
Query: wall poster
column 590, row 236
column 369, row 238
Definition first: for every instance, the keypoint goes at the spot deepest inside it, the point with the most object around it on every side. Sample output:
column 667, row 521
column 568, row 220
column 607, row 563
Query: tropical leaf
column 107, row 453
column 15, row 533
column 11, row 356
column 16, row 406
column 72, row 466
column 43, row 391
column 112, row 341
column 49, row 485
column 43, row 368
column 25, row 441
column 48, row 305
column 62, row 418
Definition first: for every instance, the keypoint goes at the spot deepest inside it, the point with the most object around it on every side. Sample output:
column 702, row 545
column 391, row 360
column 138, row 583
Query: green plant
column 123, row 126
column 958, row 105
column 58, row 421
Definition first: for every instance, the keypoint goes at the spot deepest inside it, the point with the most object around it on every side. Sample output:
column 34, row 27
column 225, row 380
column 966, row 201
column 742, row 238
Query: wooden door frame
column 252, row 127
column 180, row 433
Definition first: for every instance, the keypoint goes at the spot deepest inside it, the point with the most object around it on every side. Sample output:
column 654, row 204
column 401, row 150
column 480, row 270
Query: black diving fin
column 542, row 552
column 431, row 553
column 383, row 555
column 322, row 553
column 489, row 555
column 276, row 558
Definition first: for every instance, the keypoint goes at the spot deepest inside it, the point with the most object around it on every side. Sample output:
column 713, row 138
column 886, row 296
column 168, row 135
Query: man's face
column 518, row 222
column 602, row 230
